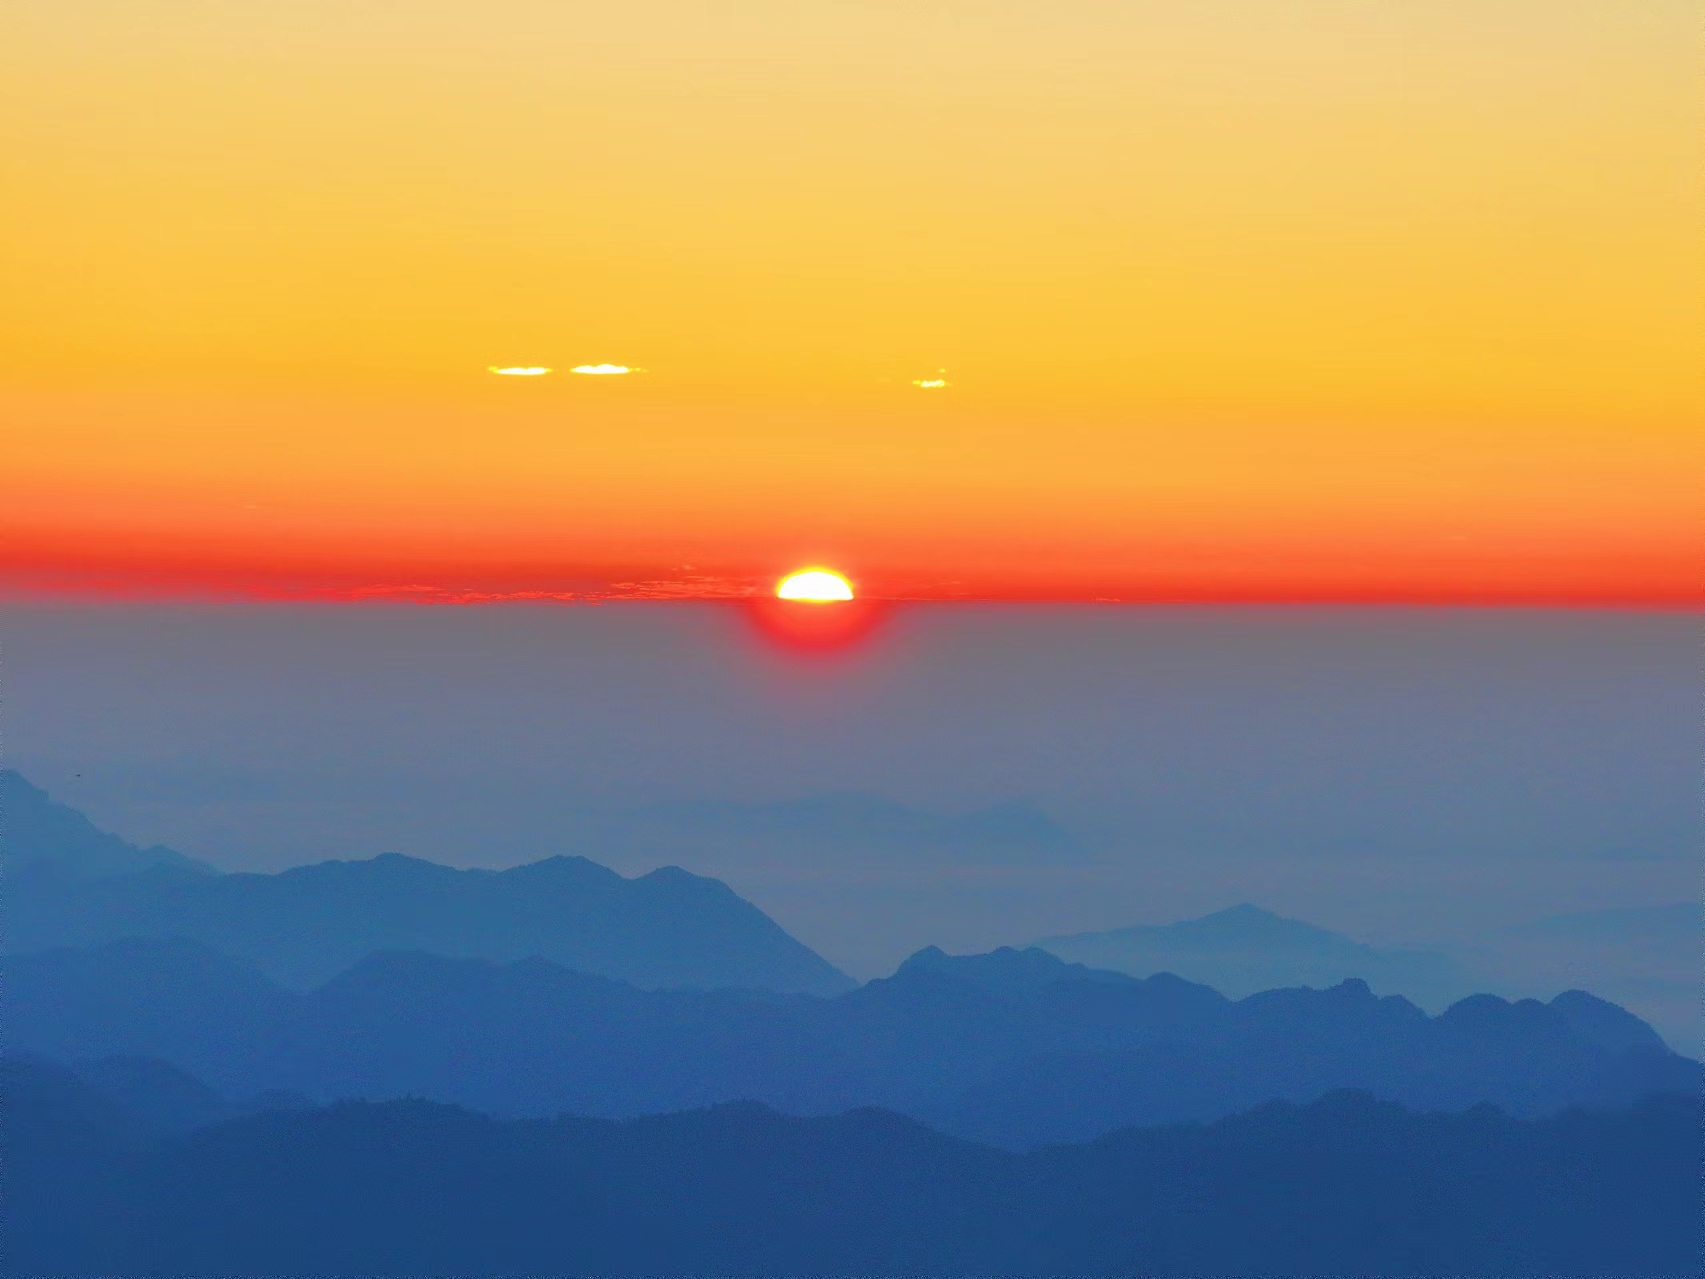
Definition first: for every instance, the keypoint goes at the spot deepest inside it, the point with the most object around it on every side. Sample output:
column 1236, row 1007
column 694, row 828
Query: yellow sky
column 1199, row 271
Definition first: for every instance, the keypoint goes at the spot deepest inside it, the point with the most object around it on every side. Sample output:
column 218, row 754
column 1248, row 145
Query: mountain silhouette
column 1246, row 949
column 1345, row 1186
column 1644, row 956
column 304, row 925
column 1016, row 1048
column 41, row 835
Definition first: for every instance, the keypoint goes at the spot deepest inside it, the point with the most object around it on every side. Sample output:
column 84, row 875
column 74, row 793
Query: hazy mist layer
column 1397, row 774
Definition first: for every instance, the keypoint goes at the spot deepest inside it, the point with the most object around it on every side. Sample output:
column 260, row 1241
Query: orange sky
column 1236, row 300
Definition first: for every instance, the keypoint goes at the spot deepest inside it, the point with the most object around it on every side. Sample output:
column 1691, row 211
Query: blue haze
column 1402, row 776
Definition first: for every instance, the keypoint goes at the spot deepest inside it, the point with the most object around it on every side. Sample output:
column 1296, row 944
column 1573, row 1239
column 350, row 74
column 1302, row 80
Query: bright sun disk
column 819, row 585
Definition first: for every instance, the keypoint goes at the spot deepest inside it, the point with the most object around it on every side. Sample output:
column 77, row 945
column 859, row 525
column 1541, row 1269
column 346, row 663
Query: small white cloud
column 602, row 370
column 933, row 383
column 520, row 370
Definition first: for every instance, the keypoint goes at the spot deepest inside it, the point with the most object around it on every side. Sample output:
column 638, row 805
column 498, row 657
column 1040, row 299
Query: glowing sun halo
column 817, row 585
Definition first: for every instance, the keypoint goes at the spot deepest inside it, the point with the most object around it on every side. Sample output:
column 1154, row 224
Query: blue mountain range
column 392, row 1066
column 1246, row 949
column 1016, row 1048
column 1344, row 1186
column 304, row 925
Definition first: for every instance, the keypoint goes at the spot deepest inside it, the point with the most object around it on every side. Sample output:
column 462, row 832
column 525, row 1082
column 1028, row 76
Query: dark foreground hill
column 1015, row 1048
column 1346, row 1186
column 302, row 926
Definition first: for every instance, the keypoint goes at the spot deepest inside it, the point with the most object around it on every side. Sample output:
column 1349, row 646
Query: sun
column 817, row 585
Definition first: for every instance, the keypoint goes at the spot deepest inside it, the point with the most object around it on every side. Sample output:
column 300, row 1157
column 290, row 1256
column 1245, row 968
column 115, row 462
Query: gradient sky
column 1237, row 300
column 1403, row 774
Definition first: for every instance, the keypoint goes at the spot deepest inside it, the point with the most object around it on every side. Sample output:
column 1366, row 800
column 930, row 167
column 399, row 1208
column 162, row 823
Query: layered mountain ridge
column 1244, row 949
column 1346, row 1185
column 1016, row 1048
column 304, row 925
